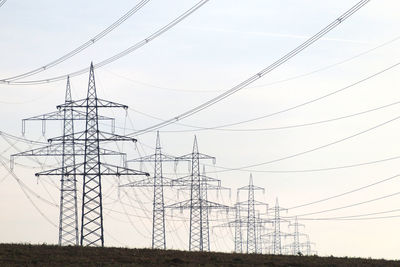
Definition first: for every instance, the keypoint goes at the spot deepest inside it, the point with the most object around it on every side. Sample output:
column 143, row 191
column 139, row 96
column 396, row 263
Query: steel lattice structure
column 158, row 182
column 92, row 168
column 277, row 233
column 67, row 149
column 251, row 221
column 68, row 224
column 198, row 203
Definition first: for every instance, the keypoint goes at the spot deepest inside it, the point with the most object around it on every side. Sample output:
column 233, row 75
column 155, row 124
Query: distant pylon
column 277, row 234
column 158, row 182
column 251, row 241
column 296, row 237
column 197, row 205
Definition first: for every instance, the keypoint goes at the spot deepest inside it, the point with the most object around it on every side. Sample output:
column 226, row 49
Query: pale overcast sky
column 217, row 47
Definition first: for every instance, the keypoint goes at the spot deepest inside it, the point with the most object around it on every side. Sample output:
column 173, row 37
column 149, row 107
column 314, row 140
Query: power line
column 119, row 55
column 261, row 73
column 2, row 2
column 218, row 127
column 348, row 206
column 329, row 168
column 352, row 216
column 346, row 193
column 80, row 48
column 245, row 168
column 350, row 219
column 303, row 170
column 268, row 84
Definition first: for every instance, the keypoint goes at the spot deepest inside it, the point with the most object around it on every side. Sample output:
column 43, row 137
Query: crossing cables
column 260, row 74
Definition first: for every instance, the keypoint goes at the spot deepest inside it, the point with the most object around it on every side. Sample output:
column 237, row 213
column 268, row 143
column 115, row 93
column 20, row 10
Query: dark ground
column 47, row 255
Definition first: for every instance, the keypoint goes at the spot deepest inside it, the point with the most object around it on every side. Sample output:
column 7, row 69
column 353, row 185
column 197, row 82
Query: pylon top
column 158, row 143
column 68, row 96
column 195, row 146
column 92, row 85
column 251, row 179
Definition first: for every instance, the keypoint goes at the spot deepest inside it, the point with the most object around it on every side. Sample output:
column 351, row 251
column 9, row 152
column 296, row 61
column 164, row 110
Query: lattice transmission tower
column 158, row 182
column 67, row 150
column 276, row 234
column 198, row 204
column 92, row 168
column 251, row 220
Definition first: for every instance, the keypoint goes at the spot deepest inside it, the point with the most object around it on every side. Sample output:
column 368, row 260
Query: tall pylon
column 68, row 223
column 92, row 168
column 158, row 182
column 197, row 205
column 68, row 216
column 251, row 239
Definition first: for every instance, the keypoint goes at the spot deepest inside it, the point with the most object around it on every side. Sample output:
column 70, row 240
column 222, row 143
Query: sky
column 217, row 47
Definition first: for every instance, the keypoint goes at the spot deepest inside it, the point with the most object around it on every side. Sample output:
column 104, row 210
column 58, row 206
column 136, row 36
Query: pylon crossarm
column 190, row 155
column 80, row 137
column 252, row 187
column 213, row 205
column 66, row 171
column 77, row 136
column 56, row 115
column 151, row 158
column 100, row 103
column 50, row 150
column 182, row 181
column 57, row 150
column 108, row 169
column 205, row 178
column 104, row 136
column 148, row 182
column 246, row 202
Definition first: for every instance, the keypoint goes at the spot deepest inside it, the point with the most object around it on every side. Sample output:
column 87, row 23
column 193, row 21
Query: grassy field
column 46, row 255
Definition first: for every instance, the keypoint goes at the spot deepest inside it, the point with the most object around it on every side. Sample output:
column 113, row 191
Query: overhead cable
column 245, row 168
column 358, row 216
column 347, row 192
column 219, row 128
column 295, row 77
column 261, row 73
column 2, row 2
column 80, row 48
column 119, row 55
column 348, row 206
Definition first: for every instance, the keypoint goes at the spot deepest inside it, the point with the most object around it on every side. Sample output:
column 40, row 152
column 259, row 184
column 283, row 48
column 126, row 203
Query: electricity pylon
column 198, row 236
column 295, row 246
column 158, row 182
column 92, row 168
column 276, row 233
column 307, row 245
column 251, row 242
column 68, row 150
